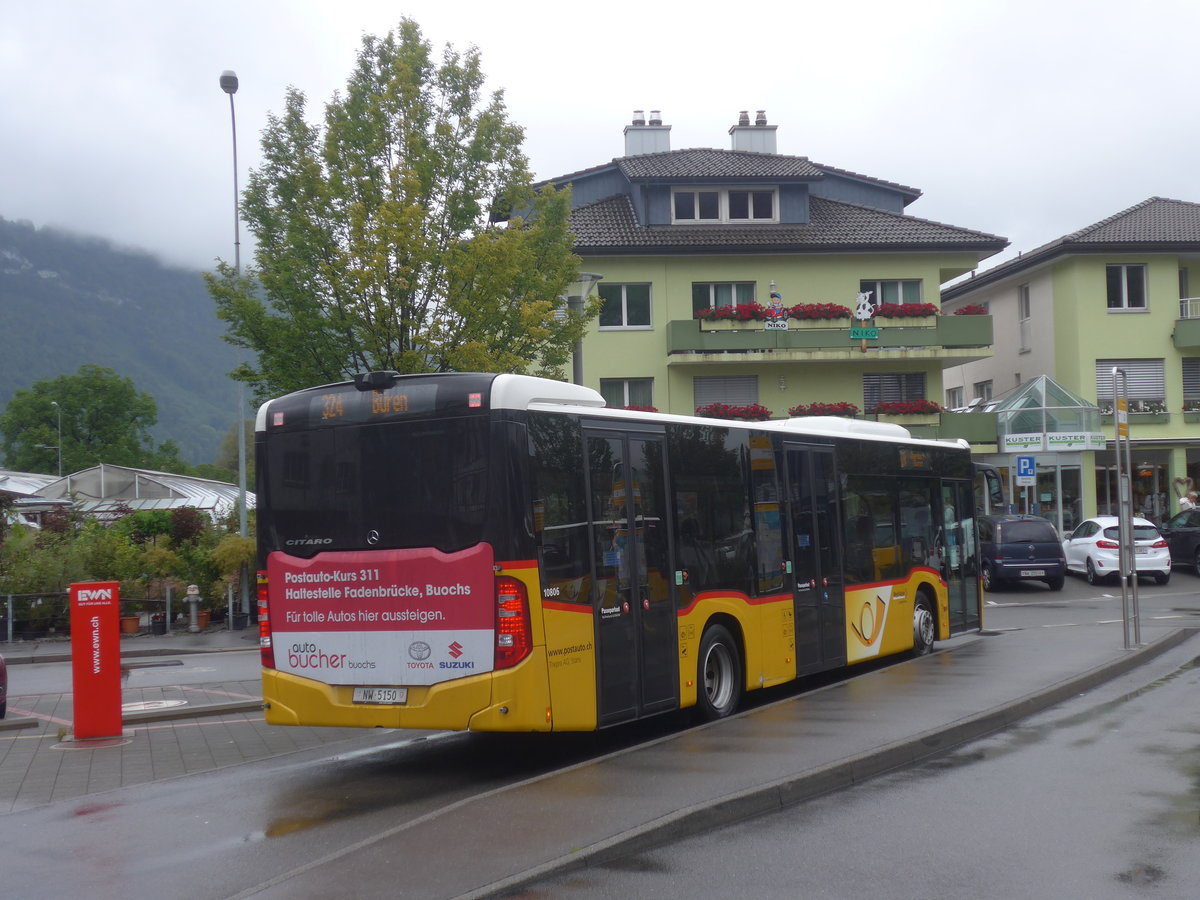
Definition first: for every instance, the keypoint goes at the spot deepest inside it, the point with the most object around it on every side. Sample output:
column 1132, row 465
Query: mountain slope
column 67, row 300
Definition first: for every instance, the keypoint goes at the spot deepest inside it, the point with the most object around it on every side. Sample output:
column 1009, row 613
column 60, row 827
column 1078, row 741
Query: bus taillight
column 264, row 625
column 513, row 639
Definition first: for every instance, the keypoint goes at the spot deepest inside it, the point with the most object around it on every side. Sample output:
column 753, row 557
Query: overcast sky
column 1027, row 119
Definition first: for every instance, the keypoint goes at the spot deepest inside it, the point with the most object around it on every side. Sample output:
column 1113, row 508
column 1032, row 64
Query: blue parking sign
column 1026, row 471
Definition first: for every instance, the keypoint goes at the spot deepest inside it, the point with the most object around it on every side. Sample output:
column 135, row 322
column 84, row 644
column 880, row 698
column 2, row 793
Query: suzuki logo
column 456, row 650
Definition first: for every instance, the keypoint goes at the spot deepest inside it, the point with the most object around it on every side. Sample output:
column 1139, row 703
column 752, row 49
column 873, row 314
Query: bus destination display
column 348, row 407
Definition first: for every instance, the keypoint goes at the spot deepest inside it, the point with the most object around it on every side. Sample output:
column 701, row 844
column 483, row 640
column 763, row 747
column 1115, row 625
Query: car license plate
column 1032, row 573
column 1143, row 551
column 382, row 695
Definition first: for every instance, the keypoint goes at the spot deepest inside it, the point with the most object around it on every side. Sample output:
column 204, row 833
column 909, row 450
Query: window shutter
column 1191, row 376
column 1145, row 378
column 893, row 388
column 736, row 390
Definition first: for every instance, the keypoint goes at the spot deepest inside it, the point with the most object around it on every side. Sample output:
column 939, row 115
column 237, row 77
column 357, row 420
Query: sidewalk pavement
column 168, row 731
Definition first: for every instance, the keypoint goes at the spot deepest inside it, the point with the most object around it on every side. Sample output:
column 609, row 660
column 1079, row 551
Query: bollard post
column 193, row 598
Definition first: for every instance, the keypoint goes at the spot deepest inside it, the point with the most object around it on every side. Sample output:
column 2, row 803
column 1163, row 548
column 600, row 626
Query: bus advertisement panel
column 341, row 617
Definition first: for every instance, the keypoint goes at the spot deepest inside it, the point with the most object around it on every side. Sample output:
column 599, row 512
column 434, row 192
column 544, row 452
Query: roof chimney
column 641, row 138
column 756, row 138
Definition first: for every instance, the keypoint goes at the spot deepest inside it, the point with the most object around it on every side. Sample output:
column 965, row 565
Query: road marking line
column 33, row 715
column 222, row 693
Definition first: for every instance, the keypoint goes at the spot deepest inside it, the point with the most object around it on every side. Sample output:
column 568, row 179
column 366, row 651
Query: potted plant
column 131, row 621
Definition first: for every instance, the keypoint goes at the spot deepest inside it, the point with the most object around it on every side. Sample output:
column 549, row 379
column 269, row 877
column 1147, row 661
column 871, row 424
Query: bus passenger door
column 633, row 594
column 815, row 553
column 959, row 562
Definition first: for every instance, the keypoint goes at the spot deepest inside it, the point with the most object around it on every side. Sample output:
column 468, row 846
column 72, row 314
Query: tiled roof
column 709, row 164
column 1158, row 223
column 609, row 225
column 1157, row 220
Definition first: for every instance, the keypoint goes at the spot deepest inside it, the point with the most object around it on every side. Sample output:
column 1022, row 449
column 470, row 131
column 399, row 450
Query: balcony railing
column 957, row 336
column 1187, row 328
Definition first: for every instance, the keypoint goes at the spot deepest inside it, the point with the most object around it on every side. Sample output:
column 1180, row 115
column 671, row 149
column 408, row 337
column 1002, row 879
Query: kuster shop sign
column 1055, row 441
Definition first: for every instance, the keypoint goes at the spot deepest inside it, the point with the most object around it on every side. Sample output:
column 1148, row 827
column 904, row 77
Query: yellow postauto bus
column 505, row 553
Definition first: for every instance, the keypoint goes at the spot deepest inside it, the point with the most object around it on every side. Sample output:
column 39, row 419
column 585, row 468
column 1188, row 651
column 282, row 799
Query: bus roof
column 529, row 392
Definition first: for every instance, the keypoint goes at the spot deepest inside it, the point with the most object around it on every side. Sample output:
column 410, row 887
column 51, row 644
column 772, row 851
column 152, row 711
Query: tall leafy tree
column 384, row 239
column 105, row 419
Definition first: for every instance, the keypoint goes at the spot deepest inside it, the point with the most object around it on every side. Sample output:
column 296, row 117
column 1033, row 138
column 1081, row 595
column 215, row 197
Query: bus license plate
column 1032, row 573
column 382, row 695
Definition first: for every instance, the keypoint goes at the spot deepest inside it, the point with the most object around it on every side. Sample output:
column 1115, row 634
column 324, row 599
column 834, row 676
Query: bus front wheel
column 719, row 674
column 923, row 626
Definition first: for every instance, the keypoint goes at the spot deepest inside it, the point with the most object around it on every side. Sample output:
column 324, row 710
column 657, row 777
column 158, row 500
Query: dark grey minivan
column 1015, row 548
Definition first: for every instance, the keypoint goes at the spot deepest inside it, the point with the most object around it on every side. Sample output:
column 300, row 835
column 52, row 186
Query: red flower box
column 907, row 408
column 824, row 409
column 819, row 311
column 755, row 412
column 905, row 310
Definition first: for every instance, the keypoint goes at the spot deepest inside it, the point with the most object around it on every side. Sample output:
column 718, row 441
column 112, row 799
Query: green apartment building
column 674, row 232
column 1116, row 294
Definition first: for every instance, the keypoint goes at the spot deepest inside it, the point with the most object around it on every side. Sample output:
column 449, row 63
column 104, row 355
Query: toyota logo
column 419, row 650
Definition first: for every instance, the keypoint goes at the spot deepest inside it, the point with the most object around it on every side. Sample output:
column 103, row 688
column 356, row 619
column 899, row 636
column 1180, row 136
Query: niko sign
column 96, row 659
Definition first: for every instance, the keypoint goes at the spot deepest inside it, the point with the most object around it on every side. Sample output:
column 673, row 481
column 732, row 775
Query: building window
column 723, row 205
column 892, row 388
column 625, row 306
column 619, row 392
column 1191, row 382
column 735, row 390
column 982, row 390
column 892, row 292
column 1145, row 380
column 954, row 398
column 1024, row 328
column 1126, row 286
column 711, row 294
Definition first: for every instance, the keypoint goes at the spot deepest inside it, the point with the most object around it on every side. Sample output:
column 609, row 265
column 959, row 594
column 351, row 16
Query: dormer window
column 723, row 205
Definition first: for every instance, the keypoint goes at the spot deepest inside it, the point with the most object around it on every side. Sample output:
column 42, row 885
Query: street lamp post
column 229, row 84
column 58, row 409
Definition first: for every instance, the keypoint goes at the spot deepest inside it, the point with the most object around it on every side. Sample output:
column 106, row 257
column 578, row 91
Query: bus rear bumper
column 486, row 702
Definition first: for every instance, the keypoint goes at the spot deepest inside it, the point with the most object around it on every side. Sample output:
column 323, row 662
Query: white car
column 1093, row 548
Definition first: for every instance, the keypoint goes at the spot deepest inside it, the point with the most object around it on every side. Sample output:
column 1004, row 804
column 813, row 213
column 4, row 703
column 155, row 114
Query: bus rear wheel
column 719, row 674
column 924, row 632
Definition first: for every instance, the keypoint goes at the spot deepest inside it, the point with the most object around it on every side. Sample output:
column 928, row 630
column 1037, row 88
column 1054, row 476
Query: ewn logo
column 95, row 594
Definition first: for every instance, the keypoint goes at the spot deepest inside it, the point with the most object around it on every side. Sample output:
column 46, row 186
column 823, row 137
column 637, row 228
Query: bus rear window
column 392, row 484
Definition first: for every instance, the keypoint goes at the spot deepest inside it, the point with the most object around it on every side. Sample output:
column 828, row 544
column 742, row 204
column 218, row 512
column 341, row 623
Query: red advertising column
column 96, row 659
